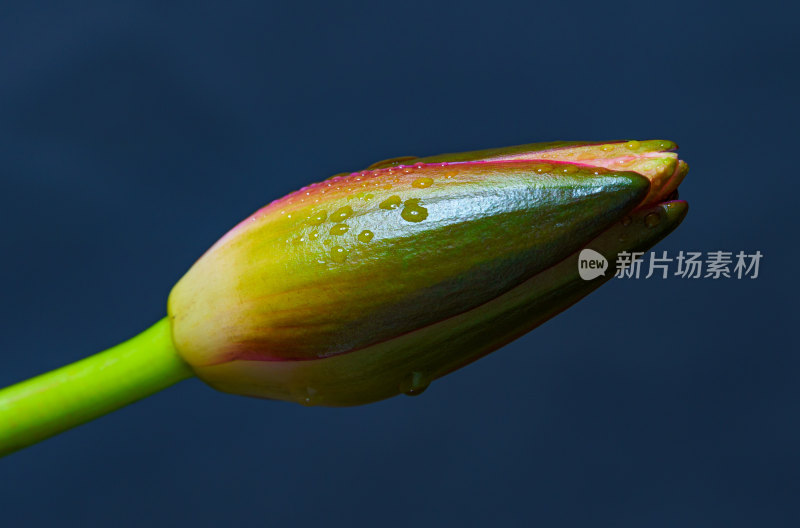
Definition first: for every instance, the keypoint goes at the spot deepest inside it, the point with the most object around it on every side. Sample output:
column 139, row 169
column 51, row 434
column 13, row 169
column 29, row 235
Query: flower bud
column 367, row 285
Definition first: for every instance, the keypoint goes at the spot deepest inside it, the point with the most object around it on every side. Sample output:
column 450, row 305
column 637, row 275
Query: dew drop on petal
column 338, row 254
column 365, row 236
column 317, row 217
column 413, row 211
column 341, row 214
column 392, row 202
column 304, row 395
column 422, row 183
column 414, row 383
column 339, row 229
column 652, row 220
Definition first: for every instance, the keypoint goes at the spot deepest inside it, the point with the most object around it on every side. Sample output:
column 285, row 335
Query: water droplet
column 652, row 220
column 544, row 168
column 338, row 254
column 317, row 218
column 368, row 197
column 313, row 235
column 392, row 202
column 304, row 395
column 383, row 163
column 413, row 211
column 339, row 229
column 422, row 183
column 341, row 214
column 626, row 221
column 633, row 144
column 569, row 169
column 365, row 236
column 414, row 384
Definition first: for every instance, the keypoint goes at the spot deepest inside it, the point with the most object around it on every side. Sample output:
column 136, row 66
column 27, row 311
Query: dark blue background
column 134, row 134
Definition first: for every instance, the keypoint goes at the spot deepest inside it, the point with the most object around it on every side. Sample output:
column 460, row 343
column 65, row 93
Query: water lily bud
column 374, row 283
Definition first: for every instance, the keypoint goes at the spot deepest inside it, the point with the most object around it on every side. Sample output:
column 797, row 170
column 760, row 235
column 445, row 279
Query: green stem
column 49, row 404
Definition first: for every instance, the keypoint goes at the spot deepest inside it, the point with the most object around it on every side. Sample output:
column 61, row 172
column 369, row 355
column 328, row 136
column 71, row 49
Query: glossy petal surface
column 376, row 282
